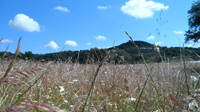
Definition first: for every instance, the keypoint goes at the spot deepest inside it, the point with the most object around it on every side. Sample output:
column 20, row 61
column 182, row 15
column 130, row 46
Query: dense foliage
column 194, row 22
column 124, row 53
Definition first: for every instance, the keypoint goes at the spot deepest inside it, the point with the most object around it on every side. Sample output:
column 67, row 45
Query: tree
column 194, row 23
column 29, row 55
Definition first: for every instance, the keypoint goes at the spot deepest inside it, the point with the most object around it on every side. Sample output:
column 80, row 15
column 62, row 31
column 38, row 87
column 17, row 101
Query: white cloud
column 99, row 37
column 60, row 8
column 52, row 45
column 159, row 43
column 151, row 37
column 178, row 32
column 6, row 41
column 142, row 8
column 88, row 43
column 103, row 7
column 25, row 23
column 71, row 43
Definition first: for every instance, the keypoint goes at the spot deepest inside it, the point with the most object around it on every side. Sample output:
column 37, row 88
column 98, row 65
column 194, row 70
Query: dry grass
column 113, row 89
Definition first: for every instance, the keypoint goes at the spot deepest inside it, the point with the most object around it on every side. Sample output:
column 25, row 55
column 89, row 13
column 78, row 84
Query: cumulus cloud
column 151, row 37
column 52, row 45
column 88, row 43
column 142, row 8
column 103, row 7
column 6, row 41
column 60, row 8
column 25, row 23
column 99, row 37
column 71, row 43
column 178, row 32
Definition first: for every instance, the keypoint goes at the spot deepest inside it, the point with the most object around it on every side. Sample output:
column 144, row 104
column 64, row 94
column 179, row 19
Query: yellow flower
column 61, row 89
column 75, row 95
column 71, row 82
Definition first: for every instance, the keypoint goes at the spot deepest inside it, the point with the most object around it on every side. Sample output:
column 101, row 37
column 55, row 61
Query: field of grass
column 99, row 87
column 64, row 87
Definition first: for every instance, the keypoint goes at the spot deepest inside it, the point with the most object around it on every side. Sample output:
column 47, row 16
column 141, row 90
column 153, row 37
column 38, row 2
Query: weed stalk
column 186, row 75
column 92, row 85
column 30, row 87
column 149, row 72
column 12, row 62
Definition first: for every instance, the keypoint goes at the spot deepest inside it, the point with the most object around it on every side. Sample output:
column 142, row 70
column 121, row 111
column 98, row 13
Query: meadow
column 105, row 86
column 99, row 87
column 65, row 86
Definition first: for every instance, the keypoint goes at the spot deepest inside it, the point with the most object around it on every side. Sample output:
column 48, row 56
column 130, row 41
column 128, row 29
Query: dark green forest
column 124, row 53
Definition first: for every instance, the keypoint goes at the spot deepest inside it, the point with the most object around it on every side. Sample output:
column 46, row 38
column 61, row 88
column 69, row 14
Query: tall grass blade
column 149, row 72
column 186, row 75
column 29, row 87
column 12, row 62
column 92, row 84
column 137, row 104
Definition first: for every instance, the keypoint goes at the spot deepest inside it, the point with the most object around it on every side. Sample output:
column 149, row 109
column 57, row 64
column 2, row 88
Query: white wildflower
column 193, row 78
column 61, row 89
column 131, row 99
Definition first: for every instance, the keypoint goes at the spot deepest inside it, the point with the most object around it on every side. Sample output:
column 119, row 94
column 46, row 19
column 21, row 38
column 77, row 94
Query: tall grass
column 64, row 86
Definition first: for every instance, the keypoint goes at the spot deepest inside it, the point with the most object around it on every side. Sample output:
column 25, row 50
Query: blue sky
column 57, row 25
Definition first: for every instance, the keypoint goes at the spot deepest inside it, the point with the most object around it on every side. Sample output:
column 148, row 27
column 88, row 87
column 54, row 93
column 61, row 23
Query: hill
column 124, row 53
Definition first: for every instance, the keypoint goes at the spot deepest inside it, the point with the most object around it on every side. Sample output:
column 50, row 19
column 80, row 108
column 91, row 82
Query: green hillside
column 124, row 53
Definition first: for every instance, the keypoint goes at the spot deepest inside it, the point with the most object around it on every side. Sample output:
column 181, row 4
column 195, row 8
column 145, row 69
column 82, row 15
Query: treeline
column 124, row 53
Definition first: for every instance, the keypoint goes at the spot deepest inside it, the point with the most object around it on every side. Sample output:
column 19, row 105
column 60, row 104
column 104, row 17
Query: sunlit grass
column 63, row 86
column 117, row 87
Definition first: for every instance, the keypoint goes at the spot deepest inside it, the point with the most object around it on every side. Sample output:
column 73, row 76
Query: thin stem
column 92, row 85
column 149, row 72
column 29, row 87
column 186, row 76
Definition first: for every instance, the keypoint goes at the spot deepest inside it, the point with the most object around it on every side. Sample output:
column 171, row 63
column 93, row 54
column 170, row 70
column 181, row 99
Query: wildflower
column 19, row 93
column 50, row 90
column 11, row 77
column 115, row 105
column 109, row 103
column 130, row 99
column 97, row 92
column 74, row 80
column 157, row 110
column 70, row 82
column 61, row 89
column 75, row 95
column 71, row 106
column 193, row 78
column 47, row 96
column 65, row 101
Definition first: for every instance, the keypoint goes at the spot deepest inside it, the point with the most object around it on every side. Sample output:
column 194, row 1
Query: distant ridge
column 138, row 43
column 126, row 50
